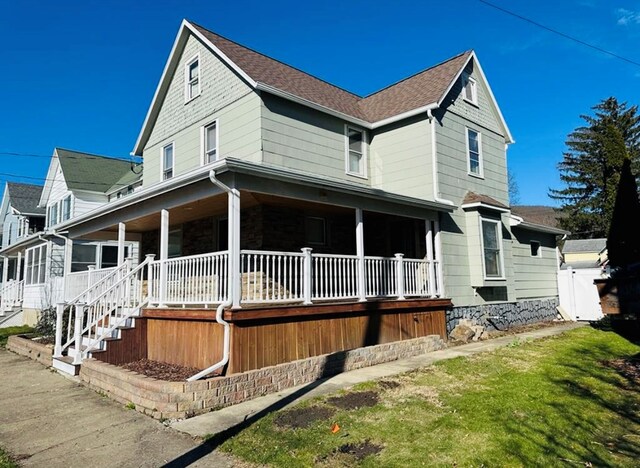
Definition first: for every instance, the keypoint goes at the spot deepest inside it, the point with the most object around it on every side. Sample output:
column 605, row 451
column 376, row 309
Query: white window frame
column 188, row 97
column 363, row 174
column 468, row 80
column 33, row 272
column 53, row 208
column 480, row 173
column 62, row 217
column 23, row 226
column 498, row 224
column 163, row 170
column 531, row 242
column 203, row 143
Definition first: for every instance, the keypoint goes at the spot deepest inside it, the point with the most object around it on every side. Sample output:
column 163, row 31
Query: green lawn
column 5, row 333
column 551, row 402
column 5, row 460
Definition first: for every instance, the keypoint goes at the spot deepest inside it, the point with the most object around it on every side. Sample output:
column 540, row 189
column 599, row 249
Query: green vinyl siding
column 400, row 158
column 303, row 139
column 534, row 276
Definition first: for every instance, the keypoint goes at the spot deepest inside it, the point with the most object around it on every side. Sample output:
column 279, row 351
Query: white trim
column 480, row 174
column 187, row 82
column 363, row 160
column 531, row 242
column 498, row 223
column 203, row 142
column 468, row 79
column 173, row 161
column 468, row 206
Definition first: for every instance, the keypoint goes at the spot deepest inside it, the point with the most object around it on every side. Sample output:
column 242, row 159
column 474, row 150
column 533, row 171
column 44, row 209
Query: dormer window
column 470, row 91
column 192, row 78
column 167, row 162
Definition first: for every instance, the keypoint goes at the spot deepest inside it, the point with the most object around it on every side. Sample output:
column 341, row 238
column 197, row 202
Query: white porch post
column 400, row 274
column 19, row 266
column 5, row 270
column 164, row 255
column 438, row 256
column 431, row 286
column 362, row 294
column 121, row 238
column 57, row 350
column 306, row 275
column 234, row 275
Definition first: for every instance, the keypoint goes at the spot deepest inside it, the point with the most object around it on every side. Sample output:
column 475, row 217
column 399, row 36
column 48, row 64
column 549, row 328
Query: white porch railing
column 289, row 277
column 11, row 295
column 193, row 280
column 79, row 281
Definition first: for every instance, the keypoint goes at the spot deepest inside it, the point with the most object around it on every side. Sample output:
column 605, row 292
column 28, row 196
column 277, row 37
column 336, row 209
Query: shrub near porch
column 545, row 403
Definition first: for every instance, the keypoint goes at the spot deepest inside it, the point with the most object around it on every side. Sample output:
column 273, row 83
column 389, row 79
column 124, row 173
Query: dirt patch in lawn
column 348, row 454
column 628, row 368
column 161, row 370
column 355, row 400
column 301, row 418
column 521, row 329
column 388, row 384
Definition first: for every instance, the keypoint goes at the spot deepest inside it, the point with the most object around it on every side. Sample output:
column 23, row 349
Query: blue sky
column 81, row 74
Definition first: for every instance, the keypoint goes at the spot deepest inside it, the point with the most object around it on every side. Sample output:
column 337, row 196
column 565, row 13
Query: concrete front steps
column 12, row 318
column 65, row 363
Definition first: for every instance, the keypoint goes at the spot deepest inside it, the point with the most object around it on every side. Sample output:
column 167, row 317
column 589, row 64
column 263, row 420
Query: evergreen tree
column 592, row 165
column 623, row 242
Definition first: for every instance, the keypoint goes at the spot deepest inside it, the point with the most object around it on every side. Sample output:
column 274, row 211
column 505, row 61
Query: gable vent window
column 192, row 79
column 167, row 162
column 535, row 249
column 470, row 90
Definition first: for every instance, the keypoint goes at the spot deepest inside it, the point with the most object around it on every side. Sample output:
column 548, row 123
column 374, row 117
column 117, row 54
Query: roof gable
column 25, row 198
column 422, row 91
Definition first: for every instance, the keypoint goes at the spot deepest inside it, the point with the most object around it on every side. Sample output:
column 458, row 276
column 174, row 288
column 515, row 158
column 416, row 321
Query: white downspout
column 434, row 160
column 221, row 307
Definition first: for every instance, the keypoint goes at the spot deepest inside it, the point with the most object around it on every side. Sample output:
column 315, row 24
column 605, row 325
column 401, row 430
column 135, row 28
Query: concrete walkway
column 53, row 421
column 228, row 421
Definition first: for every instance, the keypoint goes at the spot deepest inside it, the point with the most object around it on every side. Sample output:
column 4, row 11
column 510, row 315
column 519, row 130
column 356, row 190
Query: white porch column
column 5, row 270
column 164, row 255
column 19, row 266
column 438, row 256
column 362, row 293
column 234, row 275
column 431, row 276
column 121, row 239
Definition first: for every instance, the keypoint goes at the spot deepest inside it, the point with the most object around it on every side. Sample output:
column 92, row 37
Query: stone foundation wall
column 505, row 315
column 31, row 349
column 183, row 399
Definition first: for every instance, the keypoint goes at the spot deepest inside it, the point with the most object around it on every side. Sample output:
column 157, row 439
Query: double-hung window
column 355, row 142
column 167, row 161
column 53, row 214
column 66, row 208
column 492, row 248
column 192, row 78
column 474, row 149
column 211, row 143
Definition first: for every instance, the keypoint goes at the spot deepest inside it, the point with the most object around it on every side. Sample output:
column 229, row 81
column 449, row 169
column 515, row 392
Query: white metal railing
column 334, row 276
column 111, row 304
column 279, row 277
column 196, row 279
column 271, row 276
column 11, row 295
column 79, row 281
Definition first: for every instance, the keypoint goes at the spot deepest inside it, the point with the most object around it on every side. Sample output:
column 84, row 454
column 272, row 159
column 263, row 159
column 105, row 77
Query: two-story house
column 52, row 267
column 314, row 219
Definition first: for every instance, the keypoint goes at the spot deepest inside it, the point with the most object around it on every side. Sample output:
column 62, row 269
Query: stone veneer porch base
column 170, row 400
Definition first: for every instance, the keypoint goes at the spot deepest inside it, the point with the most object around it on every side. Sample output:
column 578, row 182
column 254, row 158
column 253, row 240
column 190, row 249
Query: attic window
column 192, row 79
column 469, row 89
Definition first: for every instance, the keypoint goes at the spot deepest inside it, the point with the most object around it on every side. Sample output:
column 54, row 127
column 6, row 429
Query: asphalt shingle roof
column 94, row 173
column 472, row 197
column 25, row 197
column 584, row 245
column 421, row 89
column 539, row 214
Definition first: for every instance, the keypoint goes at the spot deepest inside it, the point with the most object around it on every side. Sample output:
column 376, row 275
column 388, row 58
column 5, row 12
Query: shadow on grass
column 590, row 439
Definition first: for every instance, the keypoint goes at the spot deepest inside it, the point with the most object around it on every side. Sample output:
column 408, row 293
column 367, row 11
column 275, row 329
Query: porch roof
column 239, row 168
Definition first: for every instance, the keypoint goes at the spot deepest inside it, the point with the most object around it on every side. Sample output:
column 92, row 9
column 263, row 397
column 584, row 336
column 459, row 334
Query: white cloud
column 626, row 17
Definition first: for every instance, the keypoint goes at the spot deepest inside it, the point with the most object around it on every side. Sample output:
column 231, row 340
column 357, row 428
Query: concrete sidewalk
column 53, row 421
column 224, row 420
